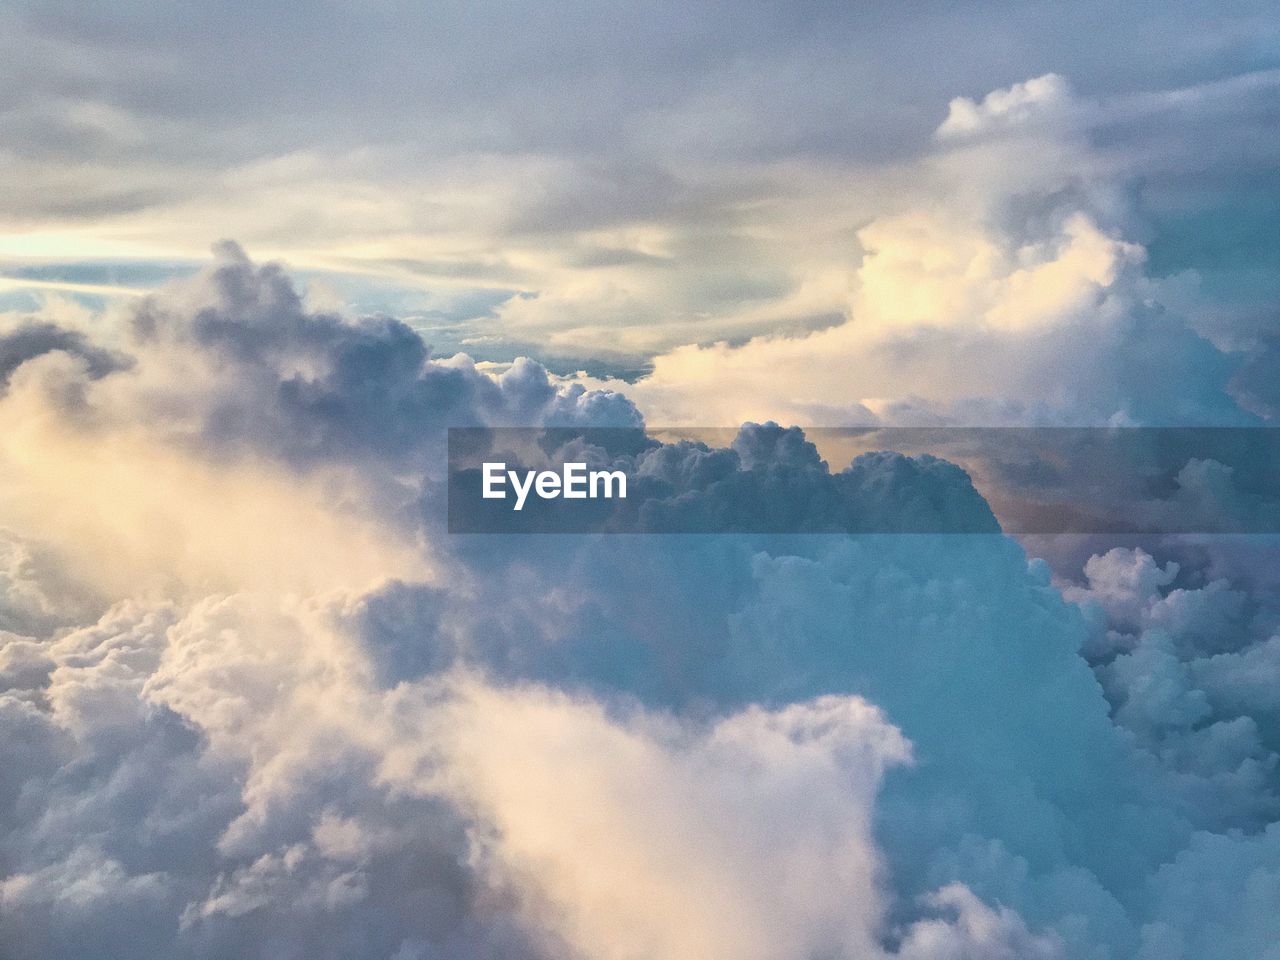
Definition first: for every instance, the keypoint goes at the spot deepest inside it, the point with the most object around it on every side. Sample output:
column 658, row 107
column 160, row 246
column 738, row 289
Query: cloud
column 1235, row 872
column 254, row 702
column 1123, row 582
column 751, row 839
column 978, row 932
column 33, row 339
column 1003, row 290
column 280, row 712
column 760, row 479
column 314, row 422
column 1021, row 103
column 320, row 790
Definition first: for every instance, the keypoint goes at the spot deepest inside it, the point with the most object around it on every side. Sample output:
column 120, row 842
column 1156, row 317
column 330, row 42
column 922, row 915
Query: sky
column 599, row 186
column 255, row 699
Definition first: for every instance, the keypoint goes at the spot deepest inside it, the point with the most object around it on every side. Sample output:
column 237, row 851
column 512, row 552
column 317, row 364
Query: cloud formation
column 255, row 702
column 1003, row 291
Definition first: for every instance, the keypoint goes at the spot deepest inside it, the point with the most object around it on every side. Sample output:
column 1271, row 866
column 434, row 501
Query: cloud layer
column 256, row 702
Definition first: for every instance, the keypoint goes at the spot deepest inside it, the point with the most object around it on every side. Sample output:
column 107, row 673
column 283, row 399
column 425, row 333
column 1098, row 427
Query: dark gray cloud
column 318, row 387
column 766, row 480
column 576, row 74
column 35, row 338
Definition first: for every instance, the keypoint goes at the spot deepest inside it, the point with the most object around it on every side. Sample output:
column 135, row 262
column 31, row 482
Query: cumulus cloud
column 237, row 387
column 255, row 702
column 978, row 932
column 751, row 839
column 759, row 479
column 1007, row 288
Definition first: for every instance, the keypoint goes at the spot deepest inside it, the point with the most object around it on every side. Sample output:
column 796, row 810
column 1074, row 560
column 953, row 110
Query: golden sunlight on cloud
column 921, row 271
column 927, row 289
column 635, row 837
column 152, row 519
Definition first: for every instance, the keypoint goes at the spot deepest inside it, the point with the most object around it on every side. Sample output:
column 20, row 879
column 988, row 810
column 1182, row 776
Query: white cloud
column 752, row 839
column 1047, row 96
column 999, row 290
